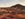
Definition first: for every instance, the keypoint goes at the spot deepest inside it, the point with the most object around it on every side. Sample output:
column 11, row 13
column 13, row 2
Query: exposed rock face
column 14, row 12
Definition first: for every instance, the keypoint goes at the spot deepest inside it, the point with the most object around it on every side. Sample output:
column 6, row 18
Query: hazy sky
column 8, row 3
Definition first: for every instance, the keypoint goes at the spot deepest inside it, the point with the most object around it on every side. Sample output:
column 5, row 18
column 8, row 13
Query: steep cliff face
column 14, row 12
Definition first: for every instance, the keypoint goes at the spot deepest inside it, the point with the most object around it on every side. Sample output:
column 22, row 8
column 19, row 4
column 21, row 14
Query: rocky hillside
column 14, row 12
